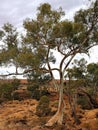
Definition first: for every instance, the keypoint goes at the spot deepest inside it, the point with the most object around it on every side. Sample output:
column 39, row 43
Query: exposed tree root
column 57, row 118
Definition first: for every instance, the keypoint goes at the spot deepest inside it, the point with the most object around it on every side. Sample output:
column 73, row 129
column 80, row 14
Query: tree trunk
column 58, row 117
column 72, row 102
column 74, row 114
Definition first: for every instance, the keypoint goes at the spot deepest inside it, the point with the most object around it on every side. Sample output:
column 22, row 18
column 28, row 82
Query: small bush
column 44, row 92
column 5, row 90
column 33, row 88
column 36, row 92
column 21, row 95
column 16, row 96
column 55, row 104
column 83, row 101
column 43, row 107
column 15, row 83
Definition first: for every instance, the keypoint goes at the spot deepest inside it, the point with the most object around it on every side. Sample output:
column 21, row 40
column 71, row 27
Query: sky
column 16, row 11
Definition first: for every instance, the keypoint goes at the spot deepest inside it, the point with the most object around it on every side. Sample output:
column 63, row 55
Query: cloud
column 93, row 54
column 16, row 11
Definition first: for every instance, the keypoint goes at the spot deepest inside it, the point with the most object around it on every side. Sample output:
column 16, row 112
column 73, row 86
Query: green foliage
column 16, row 96
column 10, row 50
column 92, row 67
column 88, row 18
column 15, row 83
column 37, row 82
column 84, row 102
column 42, row 108
column 46, row 14
column 83, row 75
column 48, row 32
column 5, row 90
column 21, row 95
column 33, row 88
column 67, row 28
column 45, row 9
column 36, row 92
column 92, row 76
column 93, row 71
column 44, row 100
column 55, row 104
column 78, row 70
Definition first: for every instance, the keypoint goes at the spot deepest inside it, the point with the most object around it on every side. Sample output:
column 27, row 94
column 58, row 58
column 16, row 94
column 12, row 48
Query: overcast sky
column 15, row 11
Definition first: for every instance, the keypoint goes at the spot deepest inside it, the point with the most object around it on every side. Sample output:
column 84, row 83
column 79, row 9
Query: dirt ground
column 21, row 115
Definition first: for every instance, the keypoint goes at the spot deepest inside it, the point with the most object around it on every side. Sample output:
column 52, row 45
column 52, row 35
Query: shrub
column 36, row 92
column 42, row 108
column 16, row 96
column 6, row 90
column 44, row 92
column 15, row 83
column 33, row 87
column 55, row 104
column 21, row 95
column 83, row 101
